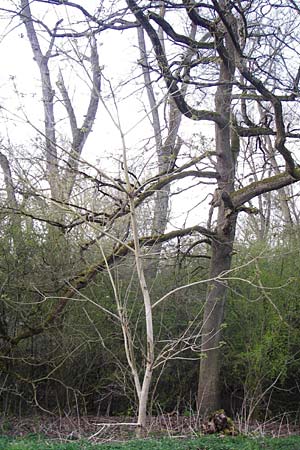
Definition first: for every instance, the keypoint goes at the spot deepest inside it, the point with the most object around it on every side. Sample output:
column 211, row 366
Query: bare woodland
column 202, row 118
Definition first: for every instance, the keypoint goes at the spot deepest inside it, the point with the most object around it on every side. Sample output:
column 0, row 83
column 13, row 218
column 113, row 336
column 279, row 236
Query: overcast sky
column 20, row 96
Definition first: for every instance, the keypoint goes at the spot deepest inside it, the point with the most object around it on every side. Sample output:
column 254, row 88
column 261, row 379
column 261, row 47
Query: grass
column 203, row 443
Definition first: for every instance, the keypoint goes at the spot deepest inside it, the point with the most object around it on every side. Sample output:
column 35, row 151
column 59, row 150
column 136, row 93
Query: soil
column 104, row 428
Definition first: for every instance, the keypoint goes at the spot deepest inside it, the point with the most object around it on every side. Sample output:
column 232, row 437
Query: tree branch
column 192, row 43
column 241, row 196
column 171, row 84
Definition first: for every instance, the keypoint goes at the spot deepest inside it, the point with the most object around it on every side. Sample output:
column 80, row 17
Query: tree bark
column 208, row 398
column 209, row 382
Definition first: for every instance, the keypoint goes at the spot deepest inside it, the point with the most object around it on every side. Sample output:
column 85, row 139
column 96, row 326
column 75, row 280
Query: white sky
column 20, row 95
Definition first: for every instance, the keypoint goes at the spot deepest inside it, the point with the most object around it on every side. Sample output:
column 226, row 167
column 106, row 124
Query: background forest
column 149, row 219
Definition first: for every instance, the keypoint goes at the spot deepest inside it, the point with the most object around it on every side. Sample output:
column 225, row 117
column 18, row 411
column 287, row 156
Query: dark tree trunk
column 209, row 380
column 221, row 253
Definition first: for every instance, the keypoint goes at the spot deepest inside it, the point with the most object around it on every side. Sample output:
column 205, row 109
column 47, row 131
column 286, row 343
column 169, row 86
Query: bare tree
column 229, row 70
column 229, row 30
column 61, row 181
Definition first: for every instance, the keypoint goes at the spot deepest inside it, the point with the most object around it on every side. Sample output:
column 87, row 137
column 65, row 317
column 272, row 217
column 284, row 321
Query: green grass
column 203, row 443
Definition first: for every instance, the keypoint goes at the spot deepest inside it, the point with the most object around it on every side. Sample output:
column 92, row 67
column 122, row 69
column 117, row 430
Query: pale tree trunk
column 12, row 203
column 42, row 61
column 62, row 182
column 80, row 133
column 260, row 224
column 61, row 167
column 10, row 191
column 167, row 148
column 142, row 387
column 143, row 393
column 283, row 193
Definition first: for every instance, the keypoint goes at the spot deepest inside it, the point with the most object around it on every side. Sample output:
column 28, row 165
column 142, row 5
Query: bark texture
column 221, row 249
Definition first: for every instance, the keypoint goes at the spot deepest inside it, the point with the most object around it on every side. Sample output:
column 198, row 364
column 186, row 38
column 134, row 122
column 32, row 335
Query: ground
column 106, row 429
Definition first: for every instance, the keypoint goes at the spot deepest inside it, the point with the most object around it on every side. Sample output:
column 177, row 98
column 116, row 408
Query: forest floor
column 107, row 429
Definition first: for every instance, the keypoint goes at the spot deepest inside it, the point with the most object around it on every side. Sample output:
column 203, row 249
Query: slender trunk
column 12, row 204
column 62, row 182
column 283, row 193
column 168, row 148
column 144, row 393
column 143, row 400
column 42, row 61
